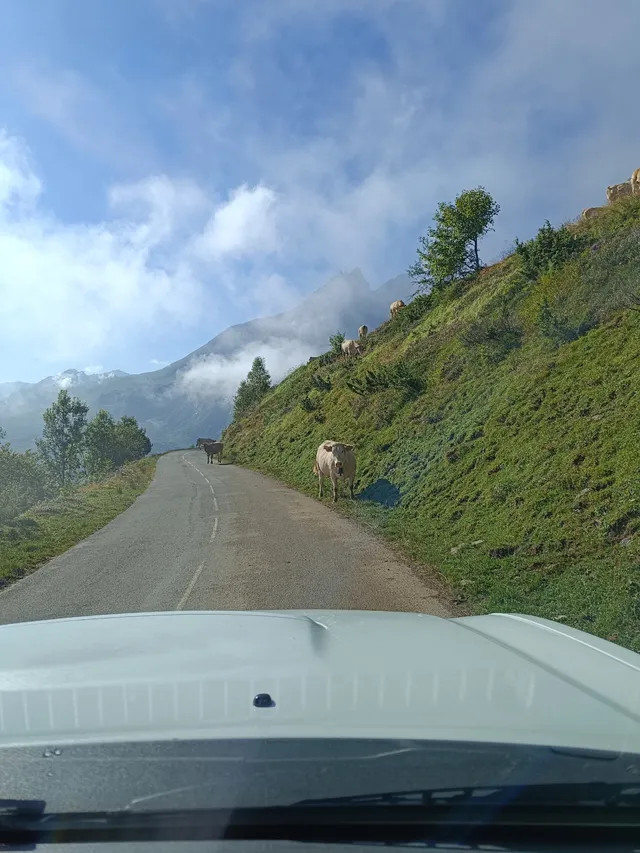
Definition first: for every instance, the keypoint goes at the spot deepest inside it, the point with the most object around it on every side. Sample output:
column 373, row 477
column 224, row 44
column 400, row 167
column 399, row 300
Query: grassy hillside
column 497, row 428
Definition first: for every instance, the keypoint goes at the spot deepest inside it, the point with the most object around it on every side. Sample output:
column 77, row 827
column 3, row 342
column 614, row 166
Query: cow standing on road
column 213, row 448
column 336, row 461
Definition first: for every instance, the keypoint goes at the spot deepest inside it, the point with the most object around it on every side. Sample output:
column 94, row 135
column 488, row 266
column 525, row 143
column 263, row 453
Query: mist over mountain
column 192, row 397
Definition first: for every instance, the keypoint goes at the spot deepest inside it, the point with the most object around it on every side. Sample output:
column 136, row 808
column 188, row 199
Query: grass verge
column 54, row 526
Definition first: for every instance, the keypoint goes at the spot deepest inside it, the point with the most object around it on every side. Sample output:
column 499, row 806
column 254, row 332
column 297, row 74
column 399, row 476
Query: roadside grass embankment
column 497, row 430
column 53, row 526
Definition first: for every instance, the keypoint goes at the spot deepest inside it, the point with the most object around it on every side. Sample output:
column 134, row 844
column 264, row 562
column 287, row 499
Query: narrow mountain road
column 206, row 537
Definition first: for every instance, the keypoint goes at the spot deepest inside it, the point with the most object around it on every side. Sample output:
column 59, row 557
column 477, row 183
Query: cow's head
column 340, row 452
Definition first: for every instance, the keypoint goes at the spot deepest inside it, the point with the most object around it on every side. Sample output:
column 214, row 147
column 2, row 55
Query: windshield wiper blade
column 471, row 822
column 585, row 794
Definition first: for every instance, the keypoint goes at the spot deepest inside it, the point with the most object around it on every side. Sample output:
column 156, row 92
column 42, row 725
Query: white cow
column 336, row 461
column 395, row 307
column 590, row 212
column 363, row 331
column 635, row 182
column 350, row 347
column 619, row 190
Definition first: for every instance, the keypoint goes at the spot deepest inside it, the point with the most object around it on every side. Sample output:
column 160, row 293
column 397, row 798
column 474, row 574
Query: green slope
column 508, row 455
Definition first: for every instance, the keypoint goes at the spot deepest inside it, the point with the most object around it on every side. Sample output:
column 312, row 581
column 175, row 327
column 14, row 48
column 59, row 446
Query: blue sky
column 170, row 167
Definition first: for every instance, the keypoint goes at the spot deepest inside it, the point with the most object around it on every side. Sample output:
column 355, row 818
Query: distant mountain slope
column 496, row 428
column 7, row 388
column 192, row 396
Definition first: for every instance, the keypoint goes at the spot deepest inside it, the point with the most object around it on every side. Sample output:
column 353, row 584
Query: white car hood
column 151, row 676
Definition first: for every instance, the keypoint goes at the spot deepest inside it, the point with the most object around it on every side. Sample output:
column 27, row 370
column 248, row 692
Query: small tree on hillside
column 100, row 444
column 252, row 389
column 62, row 438
column 336, row 342
column 450, row 250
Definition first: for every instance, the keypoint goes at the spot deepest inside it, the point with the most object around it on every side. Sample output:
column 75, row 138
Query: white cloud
column 538, row 106
column 67, row 290
column 217, row 376
column 158, row 362
column 94, row 368
column 70, row 290
column 160, row 208
column 245, row 225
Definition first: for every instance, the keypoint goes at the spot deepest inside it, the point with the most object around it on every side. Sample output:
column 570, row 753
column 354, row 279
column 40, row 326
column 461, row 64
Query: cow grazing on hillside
column 336, row 461
column 635, row 182
column 213, row 448
column 363, row 331
column 351, row 347
column 619, row 190
column 395, row 307
column 590, row 212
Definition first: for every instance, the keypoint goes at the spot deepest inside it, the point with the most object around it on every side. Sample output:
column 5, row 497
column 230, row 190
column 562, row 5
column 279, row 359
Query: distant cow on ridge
column 619, row 190
column 350, row 347
column 395, row 307
column 363, row 331
column 590, row 212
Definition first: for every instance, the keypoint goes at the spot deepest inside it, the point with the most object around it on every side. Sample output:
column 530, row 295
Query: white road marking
column 215, row 529
column 189, row 589
column 198, row 571
column 200, row 568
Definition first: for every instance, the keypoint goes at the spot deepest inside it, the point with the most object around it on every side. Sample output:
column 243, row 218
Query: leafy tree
column 258, row 377
column 110, row 444
column 252, row 389
column 241, row 401
column 100, row 444
column 61, row 445
column 450, row 250
column 336, row 342
column 132, row 441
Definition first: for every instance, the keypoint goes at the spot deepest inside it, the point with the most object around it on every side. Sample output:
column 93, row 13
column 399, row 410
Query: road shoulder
column 53, row 527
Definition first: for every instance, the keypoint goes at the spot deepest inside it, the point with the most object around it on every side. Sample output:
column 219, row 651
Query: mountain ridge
column 184, row 399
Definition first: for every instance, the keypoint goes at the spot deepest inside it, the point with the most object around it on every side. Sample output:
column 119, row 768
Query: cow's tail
column 315, row 468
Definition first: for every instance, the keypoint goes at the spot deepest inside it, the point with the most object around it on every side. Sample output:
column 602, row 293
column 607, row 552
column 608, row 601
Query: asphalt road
column 208, row 537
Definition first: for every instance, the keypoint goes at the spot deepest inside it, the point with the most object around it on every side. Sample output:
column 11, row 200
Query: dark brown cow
column 213, row 448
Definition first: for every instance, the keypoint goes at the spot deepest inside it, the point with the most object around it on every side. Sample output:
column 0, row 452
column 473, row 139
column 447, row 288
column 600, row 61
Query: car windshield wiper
column 584, row 814
column 585, row 794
